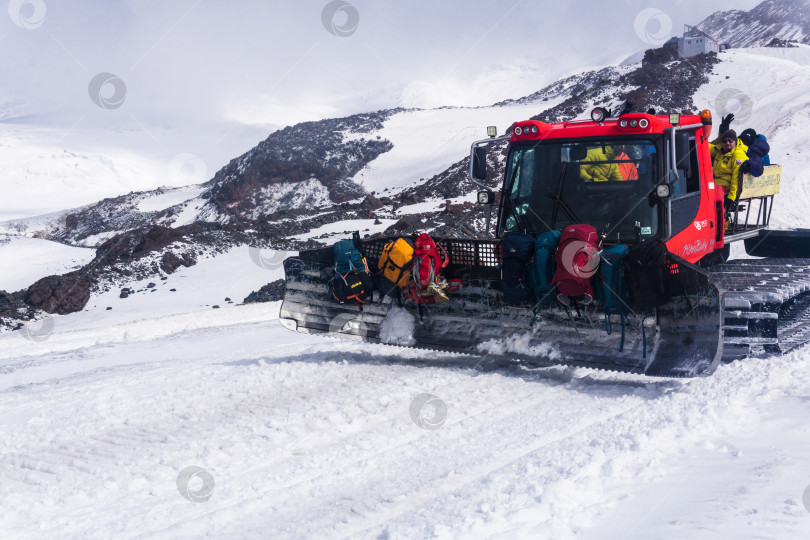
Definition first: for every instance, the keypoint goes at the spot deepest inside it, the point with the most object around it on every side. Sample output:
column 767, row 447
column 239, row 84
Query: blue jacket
column 758, row 155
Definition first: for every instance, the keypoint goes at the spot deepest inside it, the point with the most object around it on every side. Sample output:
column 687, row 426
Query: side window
column 693, row 174
column 689, row 180
column 522, row 174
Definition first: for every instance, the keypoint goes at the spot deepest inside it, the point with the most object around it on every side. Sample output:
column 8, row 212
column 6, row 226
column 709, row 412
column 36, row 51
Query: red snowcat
column 679, row 318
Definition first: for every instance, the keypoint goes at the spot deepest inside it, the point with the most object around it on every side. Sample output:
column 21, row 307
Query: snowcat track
column 684, row 340
column 766, row 306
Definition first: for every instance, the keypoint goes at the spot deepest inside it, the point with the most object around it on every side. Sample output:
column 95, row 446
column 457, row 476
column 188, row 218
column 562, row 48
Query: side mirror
column 682, row 151
column 486, row 197
column 480, row 163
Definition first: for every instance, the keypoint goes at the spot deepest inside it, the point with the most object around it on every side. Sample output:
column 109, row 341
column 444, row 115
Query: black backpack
column 352, row 287
column 648, row 274
column 516, row 251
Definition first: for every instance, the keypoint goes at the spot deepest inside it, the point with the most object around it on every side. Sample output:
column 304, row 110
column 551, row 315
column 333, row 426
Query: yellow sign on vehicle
column 762, row 186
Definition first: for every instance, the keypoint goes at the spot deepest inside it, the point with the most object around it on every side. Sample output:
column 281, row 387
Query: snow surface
column 46, row 169
column 331, row 232
column 25, row 260
column 397, row 328
column 297, row 436
column 426, row 142
column 432, row 205
column 156, row 203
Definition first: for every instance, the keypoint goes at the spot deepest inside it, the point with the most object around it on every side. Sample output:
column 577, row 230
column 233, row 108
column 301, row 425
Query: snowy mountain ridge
column 381, row 161
column 771, row 21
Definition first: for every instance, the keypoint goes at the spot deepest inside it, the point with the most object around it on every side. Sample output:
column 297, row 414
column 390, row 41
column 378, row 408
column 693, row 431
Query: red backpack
column 429, row 260
column 577, row 259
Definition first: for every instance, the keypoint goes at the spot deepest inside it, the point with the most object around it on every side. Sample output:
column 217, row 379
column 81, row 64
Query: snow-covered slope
column 48, row 169
column 427, row 141
column 412, row 155
column 25, row 260
column 221, row 423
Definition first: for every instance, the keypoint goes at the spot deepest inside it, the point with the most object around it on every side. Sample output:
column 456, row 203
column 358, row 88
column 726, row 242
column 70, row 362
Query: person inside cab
column 598, row 165
column 626, row 167
column 728, row 154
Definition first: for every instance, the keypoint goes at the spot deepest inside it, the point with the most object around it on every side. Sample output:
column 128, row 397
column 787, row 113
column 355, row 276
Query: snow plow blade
column 790, row 244
column 683, row 338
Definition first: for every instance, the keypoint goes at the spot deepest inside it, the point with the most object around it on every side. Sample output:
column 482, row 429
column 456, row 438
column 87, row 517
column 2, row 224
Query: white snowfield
column 165, row 417
column 25, row 260
column 295, row 436
column 46, row 169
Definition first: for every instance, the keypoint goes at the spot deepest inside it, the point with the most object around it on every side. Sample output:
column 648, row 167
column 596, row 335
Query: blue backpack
column 609, row 287
column 351, row 282
column 542, row 265
column 348, row 258
column 766, row 159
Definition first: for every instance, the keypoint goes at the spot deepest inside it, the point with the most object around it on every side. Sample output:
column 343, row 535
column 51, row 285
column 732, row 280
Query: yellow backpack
column 395, row 266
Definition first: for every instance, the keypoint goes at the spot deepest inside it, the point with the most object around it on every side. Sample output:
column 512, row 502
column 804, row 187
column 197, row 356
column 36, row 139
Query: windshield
column 605, row 184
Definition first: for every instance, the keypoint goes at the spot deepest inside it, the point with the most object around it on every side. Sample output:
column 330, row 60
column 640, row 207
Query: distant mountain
column 771, row 22
column 306, row 165
column 309, row 166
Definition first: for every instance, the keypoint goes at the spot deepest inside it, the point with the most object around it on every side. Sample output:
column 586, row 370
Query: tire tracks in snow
column 477, row 421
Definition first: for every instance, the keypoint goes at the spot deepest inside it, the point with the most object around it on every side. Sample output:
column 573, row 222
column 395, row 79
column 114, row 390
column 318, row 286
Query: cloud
column 278, row 62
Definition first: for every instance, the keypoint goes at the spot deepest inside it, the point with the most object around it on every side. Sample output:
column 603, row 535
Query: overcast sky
column 276, row 63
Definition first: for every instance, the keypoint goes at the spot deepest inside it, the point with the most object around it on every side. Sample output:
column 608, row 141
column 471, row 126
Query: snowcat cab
column 637, row 179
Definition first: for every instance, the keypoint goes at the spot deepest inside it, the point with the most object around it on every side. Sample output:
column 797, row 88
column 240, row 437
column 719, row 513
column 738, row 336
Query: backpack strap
column 445, row 260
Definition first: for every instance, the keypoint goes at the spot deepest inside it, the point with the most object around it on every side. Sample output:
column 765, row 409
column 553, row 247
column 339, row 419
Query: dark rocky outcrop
column 59, row 294
column 288, row 167
column 269, row 293
column 171, row 262
column 10, row 304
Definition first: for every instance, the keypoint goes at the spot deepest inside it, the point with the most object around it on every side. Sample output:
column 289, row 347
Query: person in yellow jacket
column 600, row 171
column 728, row 153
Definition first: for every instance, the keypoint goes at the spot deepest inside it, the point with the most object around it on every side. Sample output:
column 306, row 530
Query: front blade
column 684, row 341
